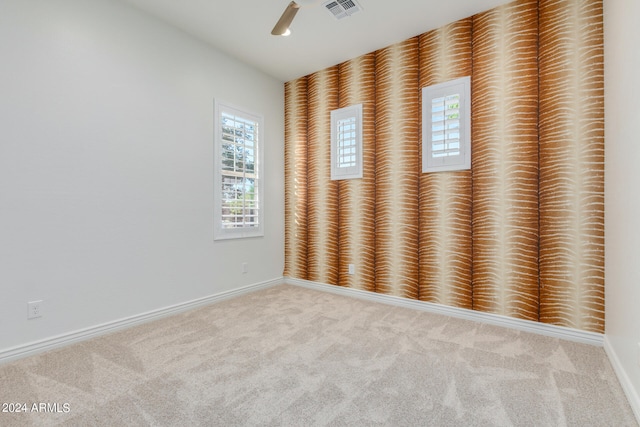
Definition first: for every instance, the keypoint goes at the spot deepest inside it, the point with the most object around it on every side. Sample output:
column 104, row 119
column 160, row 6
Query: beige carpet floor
column 293, row 356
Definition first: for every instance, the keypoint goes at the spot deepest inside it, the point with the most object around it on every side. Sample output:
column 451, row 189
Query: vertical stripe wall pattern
column 322, row 210
column 572, row 164
column 397, row 169
column 446, row 197
column 356, row 202
column 522, row 233
column 295, row 177
column 505, row 160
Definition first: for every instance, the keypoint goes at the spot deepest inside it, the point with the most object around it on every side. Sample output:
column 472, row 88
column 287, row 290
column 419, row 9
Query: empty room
column 311, row 212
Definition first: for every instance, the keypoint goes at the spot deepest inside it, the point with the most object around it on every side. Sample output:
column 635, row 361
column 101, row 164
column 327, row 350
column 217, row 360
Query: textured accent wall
column 397, row 169
column 521, row 234
column 505, row 160
column 446, row 197
column 295, row 177
column 572, row 164
column 357, row 202
column 322, row 211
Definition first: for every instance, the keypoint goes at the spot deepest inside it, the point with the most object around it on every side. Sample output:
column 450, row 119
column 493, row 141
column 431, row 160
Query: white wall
column 622, row 208
column 106, row 167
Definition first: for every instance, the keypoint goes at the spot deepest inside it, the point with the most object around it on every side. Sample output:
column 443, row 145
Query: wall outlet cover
column 34, row 309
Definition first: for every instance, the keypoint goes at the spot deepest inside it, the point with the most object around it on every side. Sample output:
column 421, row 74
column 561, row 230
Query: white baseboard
column 40, row 346
column 632, row 394
column 477, row 316
column 523, row 325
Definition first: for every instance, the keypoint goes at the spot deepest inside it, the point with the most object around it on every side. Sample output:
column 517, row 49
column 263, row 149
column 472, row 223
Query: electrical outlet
column 34, row 309
column 352, row 269
column 245, row 267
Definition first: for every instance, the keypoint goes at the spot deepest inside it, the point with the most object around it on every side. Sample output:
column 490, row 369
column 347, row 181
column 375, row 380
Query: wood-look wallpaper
column 572, row 164
column 446, row 248
column 522, row 233
column 322, row 210
column 295, row 176
column 397, row 169
column 357, row 202
column 504, row 93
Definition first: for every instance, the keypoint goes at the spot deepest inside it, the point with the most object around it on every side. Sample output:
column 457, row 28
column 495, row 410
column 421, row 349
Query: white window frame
column 352, row 113
column 447, row 162
column 221, row 229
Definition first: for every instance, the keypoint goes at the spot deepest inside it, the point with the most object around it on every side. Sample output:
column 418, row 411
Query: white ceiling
column 242, row 28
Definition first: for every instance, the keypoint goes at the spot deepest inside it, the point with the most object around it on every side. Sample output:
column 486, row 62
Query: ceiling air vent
column 342, row 8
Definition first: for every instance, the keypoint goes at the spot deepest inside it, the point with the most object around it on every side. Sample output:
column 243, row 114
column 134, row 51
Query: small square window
column 446, row 126
column 346, row 142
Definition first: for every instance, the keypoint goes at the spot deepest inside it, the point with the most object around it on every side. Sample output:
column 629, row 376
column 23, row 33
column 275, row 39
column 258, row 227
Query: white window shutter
column 238, row 194
column 446, row 126
column 346, row 142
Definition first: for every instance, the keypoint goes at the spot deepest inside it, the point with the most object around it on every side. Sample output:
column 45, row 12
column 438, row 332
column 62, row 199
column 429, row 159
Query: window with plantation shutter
column 446, row 126
column 238, row 185
column 346, row 142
